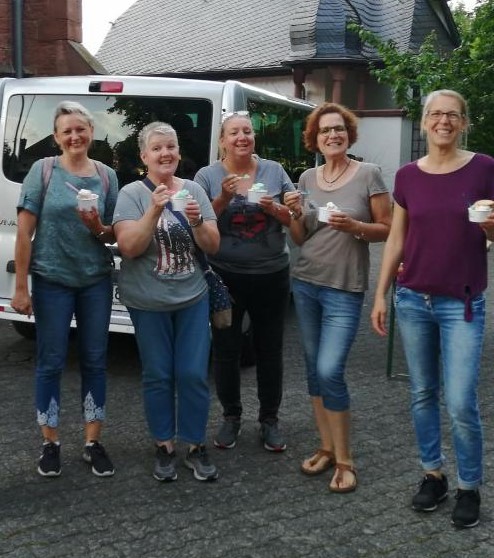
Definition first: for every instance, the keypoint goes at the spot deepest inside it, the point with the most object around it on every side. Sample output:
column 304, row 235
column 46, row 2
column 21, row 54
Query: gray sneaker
column 271, row 436
column 228, row 432
column 197, row 460
column 164, row 467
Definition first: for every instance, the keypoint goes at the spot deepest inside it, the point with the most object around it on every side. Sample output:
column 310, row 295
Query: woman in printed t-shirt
column 440, row 304
column 163, row 287
column 253, row 261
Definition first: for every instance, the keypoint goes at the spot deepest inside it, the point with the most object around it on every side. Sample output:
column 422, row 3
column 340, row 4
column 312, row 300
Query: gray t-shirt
column 166, row 276
column 252, row 241
column 334, row 258
column 64, row 250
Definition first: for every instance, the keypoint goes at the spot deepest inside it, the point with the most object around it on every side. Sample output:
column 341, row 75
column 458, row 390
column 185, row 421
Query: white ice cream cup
column 254, row 196
column 478, row 215
column 324, row 213
column 178, row 204
column 86, row 204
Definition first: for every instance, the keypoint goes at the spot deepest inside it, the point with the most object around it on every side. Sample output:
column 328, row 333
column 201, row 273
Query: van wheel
column 25, row 329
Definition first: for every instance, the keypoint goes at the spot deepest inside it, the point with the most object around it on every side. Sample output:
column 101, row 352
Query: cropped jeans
column 437, row 338
column 265, row 298
column 328, row 319
column 54, row 305
column 174, row 352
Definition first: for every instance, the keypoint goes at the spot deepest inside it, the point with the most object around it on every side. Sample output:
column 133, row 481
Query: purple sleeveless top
column 444, row 253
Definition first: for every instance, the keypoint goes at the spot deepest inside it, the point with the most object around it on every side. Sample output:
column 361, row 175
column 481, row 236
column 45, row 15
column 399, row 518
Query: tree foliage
column 469, row 69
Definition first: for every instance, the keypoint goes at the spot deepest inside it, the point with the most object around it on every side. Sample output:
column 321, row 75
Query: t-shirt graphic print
column 174, row 249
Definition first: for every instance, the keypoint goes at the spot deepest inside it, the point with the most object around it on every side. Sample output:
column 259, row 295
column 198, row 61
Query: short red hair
column 312, row 124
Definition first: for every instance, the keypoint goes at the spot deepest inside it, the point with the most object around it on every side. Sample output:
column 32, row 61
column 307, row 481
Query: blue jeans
column 174, row 351
column 328, row 320
column 436, row 337
column 54, row 306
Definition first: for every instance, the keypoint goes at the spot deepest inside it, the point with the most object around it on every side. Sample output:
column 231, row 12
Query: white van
column 121, row 106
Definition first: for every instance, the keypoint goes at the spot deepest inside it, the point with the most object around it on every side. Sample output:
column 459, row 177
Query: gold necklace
column 339, row 176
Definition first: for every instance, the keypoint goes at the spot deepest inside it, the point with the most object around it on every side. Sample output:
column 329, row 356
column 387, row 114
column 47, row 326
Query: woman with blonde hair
column 71, row 276
column 440, row 304
column 253, row 261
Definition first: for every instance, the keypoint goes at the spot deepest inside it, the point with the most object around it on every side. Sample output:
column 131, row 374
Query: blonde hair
column 71, row 107
column 444, row 93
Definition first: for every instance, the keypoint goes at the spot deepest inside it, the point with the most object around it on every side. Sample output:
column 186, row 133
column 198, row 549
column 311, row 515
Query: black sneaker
column 228, row 432
column 49, row 461
column 95, row 454
column 164, row 467
column 467, row 509
column 197, row 459
column 432, row 491
column 271, row 436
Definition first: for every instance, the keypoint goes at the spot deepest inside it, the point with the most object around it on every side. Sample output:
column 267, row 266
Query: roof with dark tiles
column 199, row 36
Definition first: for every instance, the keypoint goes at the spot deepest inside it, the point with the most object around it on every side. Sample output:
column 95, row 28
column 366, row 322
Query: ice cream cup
column 324, row 214
column 478, row 215
column 86, row 204
column 178, row 204
column 254, row 196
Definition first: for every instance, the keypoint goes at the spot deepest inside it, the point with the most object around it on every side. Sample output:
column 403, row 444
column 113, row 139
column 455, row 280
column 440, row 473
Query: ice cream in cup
column 326, row 210
column 87, row 200
column 180, row 199
column 480, row 210
column 256, row 192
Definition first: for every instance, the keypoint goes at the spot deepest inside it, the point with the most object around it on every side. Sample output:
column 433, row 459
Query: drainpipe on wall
column 17, row 35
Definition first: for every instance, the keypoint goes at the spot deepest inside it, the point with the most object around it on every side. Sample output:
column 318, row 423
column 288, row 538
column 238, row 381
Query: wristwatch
column 199, row 221
column 293, row 215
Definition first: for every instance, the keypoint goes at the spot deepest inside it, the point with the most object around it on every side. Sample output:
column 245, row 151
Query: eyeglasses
column 452, row 115
column 227, row 115
column 328, row 129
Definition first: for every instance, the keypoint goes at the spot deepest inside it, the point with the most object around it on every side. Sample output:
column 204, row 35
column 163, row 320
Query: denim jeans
column 265, row 298
column 174, row 351
column 54, row 306
column 436, row 337
column 328, row 319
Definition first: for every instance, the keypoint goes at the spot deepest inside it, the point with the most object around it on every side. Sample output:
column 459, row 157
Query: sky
column 97, row 16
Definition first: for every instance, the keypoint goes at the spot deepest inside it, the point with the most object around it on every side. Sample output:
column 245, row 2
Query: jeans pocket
column 399, row 294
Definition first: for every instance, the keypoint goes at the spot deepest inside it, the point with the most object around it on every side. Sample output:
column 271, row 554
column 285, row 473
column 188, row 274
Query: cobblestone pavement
column 262, row 506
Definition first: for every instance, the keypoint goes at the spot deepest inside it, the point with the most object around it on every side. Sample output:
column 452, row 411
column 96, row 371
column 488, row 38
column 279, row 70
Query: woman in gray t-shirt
column 162, row 284
column 331, row 275
column 253, row 262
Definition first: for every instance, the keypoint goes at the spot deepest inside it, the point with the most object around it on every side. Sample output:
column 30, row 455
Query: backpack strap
column 103, row 174
column 47, row 171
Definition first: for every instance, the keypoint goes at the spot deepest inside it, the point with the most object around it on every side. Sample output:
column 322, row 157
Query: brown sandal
column 324, row 458
column 338, row 477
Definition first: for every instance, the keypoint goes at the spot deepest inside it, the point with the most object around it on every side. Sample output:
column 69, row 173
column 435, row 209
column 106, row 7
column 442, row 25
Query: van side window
column 29, row 131
column 278, row 130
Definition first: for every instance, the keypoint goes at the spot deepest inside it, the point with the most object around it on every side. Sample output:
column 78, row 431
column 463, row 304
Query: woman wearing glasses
column 439, row 299
column 331, row 275
column 253, row 262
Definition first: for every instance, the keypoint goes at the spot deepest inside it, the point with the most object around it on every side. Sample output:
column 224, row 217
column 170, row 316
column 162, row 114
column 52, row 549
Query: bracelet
column 199, row 221
column 295, row 216
column 100, row 234
column 360, row 235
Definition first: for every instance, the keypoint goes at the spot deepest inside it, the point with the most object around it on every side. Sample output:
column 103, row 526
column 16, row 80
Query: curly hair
column 312, row 124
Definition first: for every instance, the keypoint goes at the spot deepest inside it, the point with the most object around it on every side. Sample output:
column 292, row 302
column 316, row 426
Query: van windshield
column 117, row 122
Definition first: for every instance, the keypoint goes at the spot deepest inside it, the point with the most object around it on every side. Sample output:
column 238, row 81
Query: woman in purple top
column 439, row 300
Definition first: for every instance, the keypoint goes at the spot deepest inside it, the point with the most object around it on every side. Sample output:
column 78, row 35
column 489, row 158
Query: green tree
column 468, row 69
